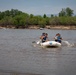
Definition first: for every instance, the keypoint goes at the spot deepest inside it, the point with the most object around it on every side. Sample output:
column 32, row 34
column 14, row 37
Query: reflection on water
column 19, row 56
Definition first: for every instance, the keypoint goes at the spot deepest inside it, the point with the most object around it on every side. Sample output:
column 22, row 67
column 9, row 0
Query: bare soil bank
column 58, row 27
column 55, row 27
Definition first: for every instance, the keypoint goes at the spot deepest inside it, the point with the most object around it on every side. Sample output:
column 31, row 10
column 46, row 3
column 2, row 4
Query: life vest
column 44, row 39
column 58, row 39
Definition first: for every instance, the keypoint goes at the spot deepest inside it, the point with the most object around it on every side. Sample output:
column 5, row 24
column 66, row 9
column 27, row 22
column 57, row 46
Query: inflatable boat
column 50, row 44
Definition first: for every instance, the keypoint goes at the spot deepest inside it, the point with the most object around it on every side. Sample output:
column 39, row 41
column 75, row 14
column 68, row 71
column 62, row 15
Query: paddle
column 37, row 42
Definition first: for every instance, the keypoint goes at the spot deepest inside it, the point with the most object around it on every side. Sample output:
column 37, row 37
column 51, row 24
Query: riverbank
column 59, row 27
column 62, row 27
column 55, row 27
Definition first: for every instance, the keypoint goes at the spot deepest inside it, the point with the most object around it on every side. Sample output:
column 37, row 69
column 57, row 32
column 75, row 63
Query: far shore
column 58, row 27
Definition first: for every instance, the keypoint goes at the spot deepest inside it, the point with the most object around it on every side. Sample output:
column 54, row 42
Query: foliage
column 44, row 16
column 55, row 21
column 66, row 12
column 19, row 19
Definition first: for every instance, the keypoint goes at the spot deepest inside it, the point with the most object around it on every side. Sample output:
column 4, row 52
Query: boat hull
column 51, row 44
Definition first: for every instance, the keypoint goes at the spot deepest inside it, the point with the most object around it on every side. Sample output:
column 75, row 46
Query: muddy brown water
column 19, row 56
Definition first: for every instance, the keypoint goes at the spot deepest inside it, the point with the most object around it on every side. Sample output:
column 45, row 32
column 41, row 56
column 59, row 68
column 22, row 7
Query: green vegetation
column 17, row 19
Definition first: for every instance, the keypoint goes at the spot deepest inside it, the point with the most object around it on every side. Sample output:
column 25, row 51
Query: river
column 20, row 56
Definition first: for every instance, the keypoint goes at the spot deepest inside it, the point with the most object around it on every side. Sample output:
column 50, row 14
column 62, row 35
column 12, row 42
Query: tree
column 31, row 15
column 69, row 12
column 62, row 12
column 55, row 21
column 42, row 23
column 44, row 16
column 66, row 12
column 7, row 13
column 52, row 15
